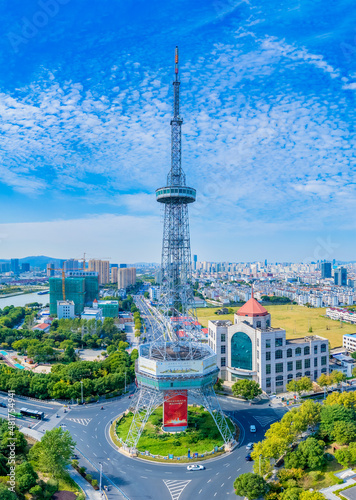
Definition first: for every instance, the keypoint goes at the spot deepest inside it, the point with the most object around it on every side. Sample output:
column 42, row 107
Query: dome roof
column 252, row 308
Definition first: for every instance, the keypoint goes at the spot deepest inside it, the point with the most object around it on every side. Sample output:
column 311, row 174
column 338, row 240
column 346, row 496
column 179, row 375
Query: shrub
column 89, row 478
column 82, row 470
column 94, row 482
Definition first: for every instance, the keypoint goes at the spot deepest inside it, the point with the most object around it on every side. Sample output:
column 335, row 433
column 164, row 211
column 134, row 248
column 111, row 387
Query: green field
column 296, row 320
column 201, row 436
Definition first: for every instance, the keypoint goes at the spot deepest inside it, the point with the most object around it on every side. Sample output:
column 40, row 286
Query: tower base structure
column 169, row 374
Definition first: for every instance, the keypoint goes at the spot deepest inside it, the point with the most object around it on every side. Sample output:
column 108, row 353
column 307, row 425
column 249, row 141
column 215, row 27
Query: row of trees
column 64, row 381
column 304, row 384
column 137, row 320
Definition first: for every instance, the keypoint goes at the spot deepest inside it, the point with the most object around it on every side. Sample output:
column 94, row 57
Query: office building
column 195, row 260
column 65, row 309
column 25, row 267
column 126, row 277
column 102, row 267
column 5, row 267
column 123, row 266
column 251, row 349
column 340, row 276
column 50, row 269
column 326, row 270
column 15, row 266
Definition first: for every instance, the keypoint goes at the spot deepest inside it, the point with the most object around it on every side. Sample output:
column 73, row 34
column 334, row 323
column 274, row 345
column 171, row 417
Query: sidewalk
column 85, row 486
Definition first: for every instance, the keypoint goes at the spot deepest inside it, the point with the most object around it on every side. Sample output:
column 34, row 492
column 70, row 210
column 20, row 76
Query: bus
column 15, row 414
column 32, row 413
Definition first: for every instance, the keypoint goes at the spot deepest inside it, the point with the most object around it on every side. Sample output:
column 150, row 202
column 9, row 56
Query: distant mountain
column 41, row 261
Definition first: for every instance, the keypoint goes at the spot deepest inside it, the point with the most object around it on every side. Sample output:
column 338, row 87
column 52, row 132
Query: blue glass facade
column 241, row 351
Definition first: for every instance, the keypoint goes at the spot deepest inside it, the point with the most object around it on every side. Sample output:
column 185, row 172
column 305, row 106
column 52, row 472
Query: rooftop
column 303, row 340
column 252, row 308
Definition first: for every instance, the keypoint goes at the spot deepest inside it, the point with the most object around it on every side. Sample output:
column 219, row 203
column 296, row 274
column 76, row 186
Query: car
column 248, row 458
column 250, row 446
column 252, row 428
column 195, row 467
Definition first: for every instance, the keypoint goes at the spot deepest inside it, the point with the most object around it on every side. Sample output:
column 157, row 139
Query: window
column 268, row 382
column 290, row 376
column 315, row 374
column 268, row 356
column 298, row 364
column 323, row 348
column 268, row 369
column 223, row 349
column 279, row 367
column 223, row 361
column 323, row 360
column 315, row 362
column 258, row 325
column 223, row 337
column 279, row 380
column 298, row 351
column 306, row 350
column 290, row 366
column 258, row 354
column 299, row 375
column 307, row 374
column 279, row 342
column 241, row 351
column 289, row 353
column 323, row 370
column 315, row 349
column 279, row 354
column 307, row 363
column 258, row 342
column 268, row 343
column 267, row 322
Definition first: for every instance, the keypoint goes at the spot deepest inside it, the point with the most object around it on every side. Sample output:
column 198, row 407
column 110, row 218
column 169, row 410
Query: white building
column 343, row 363
column 341, row 314
column 65, row 309
column 349, row 341
column 92, row 313
column 154, row 292
column 251, row 349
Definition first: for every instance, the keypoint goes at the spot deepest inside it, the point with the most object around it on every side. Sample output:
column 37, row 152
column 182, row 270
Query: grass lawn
column 296, row 320
column 201, row 436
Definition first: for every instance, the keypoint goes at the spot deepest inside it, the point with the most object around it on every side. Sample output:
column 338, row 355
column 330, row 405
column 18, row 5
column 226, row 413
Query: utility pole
column 125, row 381
column 81, row 383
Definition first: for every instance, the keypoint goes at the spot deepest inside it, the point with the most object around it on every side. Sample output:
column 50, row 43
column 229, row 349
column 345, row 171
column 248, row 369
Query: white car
column 252, row 428
column 250, row 446
column 195, row 467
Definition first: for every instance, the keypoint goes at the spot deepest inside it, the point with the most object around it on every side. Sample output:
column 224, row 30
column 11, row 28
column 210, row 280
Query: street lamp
column 81, row 383
column 101, row 474
column 125, row 381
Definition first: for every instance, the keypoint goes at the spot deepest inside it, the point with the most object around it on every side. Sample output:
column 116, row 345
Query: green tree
column 310, row 453
column 6, row 494
column 26, row 477
column 334, row 413
column 311, row 495
column 248, row 389
column 250, row 485
column 291, row 494
column 344, row 432
column 53, row 453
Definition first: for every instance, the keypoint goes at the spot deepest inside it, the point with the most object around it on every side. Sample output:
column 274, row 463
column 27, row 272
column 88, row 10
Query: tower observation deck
column 177, row 364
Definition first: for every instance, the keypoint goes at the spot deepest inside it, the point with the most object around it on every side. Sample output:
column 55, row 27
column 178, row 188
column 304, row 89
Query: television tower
column 177, row 299
column 168, row 371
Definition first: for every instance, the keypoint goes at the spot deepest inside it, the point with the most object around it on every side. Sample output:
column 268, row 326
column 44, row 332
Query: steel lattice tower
column 177, row 298
column 167, row 369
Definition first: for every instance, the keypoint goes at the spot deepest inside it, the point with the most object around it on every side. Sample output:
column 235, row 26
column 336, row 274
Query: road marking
column 265, row 420
column 144, row 477
column 215, row 494
column 209, row 480
column 229, row 477
column 81, row 421
column 95, row 454
column 238, row 469
column 217, row 473
column 175, row 487
column 96, row 429
column 222, row 485
column 200, row 491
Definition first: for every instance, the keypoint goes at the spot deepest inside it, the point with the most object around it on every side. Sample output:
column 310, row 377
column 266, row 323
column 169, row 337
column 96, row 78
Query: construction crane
column 63, row 279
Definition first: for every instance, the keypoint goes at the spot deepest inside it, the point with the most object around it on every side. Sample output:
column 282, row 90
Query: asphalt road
column 145, row 480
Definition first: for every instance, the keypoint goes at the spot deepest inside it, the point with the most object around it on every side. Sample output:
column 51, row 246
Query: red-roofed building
column 44, row 327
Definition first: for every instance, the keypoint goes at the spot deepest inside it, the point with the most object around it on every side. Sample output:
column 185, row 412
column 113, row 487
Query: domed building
column 250, row 348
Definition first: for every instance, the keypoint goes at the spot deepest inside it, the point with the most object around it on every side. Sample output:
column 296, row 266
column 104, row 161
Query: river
column 21, row 300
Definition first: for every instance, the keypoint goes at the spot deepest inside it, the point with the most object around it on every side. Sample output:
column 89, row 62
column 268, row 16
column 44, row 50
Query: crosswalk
column 81, row 421
column 265, row 420
column 176, row 487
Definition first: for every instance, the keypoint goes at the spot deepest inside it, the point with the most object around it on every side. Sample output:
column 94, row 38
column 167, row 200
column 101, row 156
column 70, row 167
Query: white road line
column 209, row 480
column 215, row 494
column 229, row 477
column 222, row 485
column 95, row 454
column 238, row 469
column 175, row 487
column 200, row 491
column 144, row 477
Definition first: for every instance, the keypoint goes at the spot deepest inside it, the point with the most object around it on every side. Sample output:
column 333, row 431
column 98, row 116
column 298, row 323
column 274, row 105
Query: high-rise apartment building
column 114, row 275
column 50, row 269
column 102, row 267
column 340, row 276
column 126, row 277
column 326, row 270
column 71, row 265
column 25, row 267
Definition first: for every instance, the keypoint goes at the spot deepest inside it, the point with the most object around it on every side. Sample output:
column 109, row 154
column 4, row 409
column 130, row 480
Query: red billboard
column 175, row 411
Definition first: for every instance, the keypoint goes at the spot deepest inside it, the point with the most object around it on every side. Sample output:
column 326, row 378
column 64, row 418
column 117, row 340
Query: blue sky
column 268, row 100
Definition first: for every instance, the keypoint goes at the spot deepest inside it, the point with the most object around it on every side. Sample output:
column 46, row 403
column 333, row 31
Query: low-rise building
column 251, row 348
column 65, row 309
column 349, row 341
column 110, row 308
column 343, row 363
column 92, row 313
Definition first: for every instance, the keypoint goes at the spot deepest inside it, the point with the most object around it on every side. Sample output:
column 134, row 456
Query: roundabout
column 201, row 439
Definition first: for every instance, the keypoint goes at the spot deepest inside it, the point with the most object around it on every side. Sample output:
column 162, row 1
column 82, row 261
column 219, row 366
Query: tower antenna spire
column 176, row 62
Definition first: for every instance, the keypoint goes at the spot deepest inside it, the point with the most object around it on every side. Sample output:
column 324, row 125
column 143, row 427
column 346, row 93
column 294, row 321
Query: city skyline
column 267, row 137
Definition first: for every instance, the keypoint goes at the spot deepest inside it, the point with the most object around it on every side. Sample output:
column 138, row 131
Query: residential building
column 349, row 342
column 81, row 287
column 126, row 277
column 102, row 267
column 43, row 327
column 251, row 348
column 154, row 292
column 50, row 270
column 65, row 309
column 342, row 363
column 326, row 270
column 25, row 267
column 114, row 275
column 15, row 266
column 71, row 265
